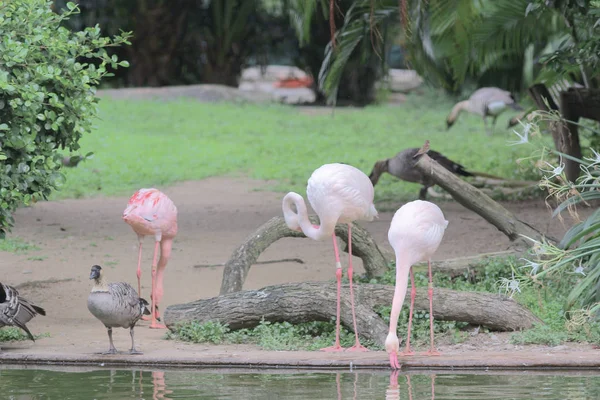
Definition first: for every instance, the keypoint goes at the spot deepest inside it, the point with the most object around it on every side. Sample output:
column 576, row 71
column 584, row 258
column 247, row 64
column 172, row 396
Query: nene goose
column 487, row 102
column 402, row 166
column 15, row 310
column 115, row 304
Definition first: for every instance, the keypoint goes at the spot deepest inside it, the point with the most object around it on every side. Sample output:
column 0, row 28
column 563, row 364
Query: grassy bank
column 153, row 143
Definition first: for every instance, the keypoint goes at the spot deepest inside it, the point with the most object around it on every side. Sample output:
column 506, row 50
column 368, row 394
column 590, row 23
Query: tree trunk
column 157, row 33
column 575, row 103
column 304, row 302
column 236, row 269
column 568, row 137
column 475, row 200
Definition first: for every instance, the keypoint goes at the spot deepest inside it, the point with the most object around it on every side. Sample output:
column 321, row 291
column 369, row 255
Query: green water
column 115, row 384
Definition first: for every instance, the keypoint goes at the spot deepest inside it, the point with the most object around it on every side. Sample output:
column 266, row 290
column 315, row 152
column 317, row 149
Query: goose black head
column 96, row 271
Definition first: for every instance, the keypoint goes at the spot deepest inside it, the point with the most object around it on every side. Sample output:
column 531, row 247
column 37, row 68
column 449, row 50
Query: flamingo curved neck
column 300, row 219
column 402, row 271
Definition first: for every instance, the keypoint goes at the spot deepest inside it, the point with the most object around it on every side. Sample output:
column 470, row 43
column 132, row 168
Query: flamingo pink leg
column 338, row 275
column 432, row 351
column 165, row 253
column 139, row 271
column 413, row 294
column 154, row 324
column 357, row 346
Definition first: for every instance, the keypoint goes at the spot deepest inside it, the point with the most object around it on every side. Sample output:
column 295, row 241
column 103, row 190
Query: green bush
column 48, row 79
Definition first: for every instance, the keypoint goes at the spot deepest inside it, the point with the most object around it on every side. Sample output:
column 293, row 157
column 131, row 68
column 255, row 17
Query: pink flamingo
column 415, row 234
column 338, row 193
column 151, row 212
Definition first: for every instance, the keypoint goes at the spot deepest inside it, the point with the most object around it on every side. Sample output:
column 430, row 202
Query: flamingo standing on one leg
column 151, row 212
column 415, row 234
column 339, row 193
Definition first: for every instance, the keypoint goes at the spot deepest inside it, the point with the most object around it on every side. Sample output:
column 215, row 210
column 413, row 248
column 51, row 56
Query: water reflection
column 393, row 390
column 159, row 387
column 338, row 379
column 34, row 383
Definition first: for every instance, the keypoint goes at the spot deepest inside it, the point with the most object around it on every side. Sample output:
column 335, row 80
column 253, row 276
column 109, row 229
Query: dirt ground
column 215, row 215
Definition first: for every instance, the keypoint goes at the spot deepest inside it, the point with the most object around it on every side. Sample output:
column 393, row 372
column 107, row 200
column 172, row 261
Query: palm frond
column 359, row 22
column 301, row 16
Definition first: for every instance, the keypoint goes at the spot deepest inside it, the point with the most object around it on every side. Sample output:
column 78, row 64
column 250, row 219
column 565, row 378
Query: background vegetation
column 47, row 97
column 257, row 141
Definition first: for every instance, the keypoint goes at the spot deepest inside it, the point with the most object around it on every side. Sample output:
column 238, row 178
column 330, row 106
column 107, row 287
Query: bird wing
column 153, row 210
column 124, row 294
column 9, row 303
column 450, row 165
column 489, row 100
column 341, row 191
column 16, row 310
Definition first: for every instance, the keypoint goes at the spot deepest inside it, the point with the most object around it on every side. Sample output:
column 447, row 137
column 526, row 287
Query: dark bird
column 115, row 304
column 402, row 166
column 16, row 310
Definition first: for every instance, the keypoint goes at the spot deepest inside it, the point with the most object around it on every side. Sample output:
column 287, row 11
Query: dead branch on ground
column 304, row 302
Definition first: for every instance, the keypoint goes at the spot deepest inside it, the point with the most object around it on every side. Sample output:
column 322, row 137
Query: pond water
column 116, row 384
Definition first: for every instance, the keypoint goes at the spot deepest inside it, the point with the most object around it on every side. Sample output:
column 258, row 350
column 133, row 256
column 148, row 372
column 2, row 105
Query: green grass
column 151, row 143
column 16, row 245
column 545, row 302
column 11, row 334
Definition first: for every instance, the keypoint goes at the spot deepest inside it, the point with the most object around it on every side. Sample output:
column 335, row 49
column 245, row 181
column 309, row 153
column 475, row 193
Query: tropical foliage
column 182, row 42
column 47, row 96
column 350, row 69
column 578, row 253
column 510, row 44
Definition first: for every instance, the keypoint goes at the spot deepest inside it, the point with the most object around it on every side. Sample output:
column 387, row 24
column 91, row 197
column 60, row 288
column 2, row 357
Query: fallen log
column 237, row 267
column 312, row 301
column 475, row 200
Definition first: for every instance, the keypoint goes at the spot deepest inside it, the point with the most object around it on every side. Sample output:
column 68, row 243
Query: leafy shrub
column 10, row 334
column 209, row 332
column 48, row 79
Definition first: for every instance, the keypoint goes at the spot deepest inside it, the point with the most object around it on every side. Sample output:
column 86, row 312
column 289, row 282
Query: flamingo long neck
column 300, row 219
column 402, row 271
column 458, row 107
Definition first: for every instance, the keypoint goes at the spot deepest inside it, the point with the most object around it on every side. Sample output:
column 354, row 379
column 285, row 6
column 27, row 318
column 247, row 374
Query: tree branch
column 236, row 269
column 304, row 302
column 477, row 201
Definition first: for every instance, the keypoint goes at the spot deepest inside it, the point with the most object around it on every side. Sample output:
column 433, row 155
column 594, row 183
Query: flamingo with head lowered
column 151, row 212
column 339, row 193
column 415, row 233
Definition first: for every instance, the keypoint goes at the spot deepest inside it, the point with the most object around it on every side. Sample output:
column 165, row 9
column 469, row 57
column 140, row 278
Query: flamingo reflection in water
column 159, row 387
column 339, row 385
column 393, row 390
